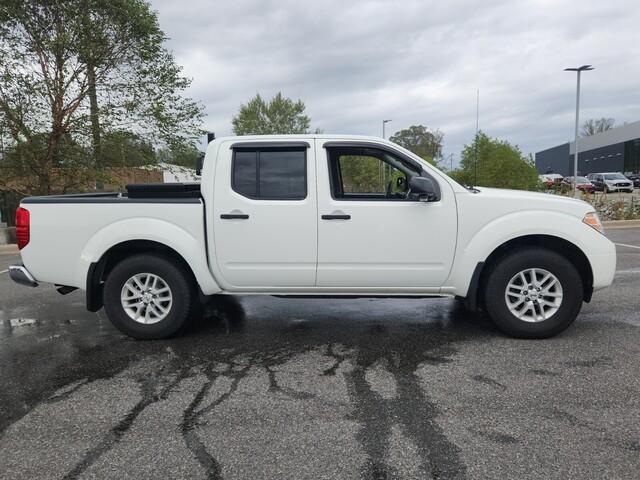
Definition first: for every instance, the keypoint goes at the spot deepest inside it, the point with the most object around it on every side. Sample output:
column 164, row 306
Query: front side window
column 359, row 173
column 270, row 173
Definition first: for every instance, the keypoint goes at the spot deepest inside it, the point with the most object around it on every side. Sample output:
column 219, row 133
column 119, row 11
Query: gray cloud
column 357, row 62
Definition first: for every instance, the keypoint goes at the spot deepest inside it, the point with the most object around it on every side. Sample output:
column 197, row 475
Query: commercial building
column 616, row 150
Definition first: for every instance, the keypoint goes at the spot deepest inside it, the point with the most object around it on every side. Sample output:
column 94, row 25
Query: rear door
column 371, row 234
column 264, row 215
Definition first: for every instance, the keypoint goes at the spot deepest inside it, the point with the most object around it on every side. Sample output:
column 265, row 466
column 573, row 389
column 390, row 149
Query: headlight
column 593, row 221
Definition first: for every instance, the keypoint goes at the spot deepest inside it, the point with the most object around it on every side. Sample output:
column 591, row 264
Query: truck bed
column 69, row 232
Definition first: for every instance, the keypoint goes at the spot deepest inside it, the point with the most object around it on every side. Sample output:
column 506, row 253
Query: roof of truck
column 323, row 136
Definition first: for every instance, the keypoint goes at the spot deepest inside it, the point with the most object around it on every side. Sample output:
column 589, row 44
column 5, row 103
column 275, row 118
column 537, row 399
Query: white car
column 611, row 182
column 316, row 215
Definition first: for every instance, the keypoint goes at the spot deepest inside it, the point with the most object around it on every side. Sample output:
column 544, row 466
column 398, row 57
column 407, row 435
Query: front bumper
column 603, row 267
column 21, row 275
column 617, row 188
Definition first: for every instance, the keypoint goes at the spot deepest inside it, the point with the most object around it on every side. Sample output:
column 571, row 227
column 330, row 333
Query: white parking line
column 628, row 272
column 4, row 271
column 628, row 246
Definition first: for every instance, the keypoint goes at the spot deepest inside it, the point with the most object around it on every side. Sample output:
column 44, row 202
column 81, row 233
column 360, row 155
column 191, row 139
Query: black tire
column 533, row 257
column 176, row 278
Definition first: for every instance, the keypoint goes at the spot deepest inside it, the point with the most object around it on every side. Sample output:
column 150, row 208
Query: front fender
column 475, row 247
column 190, row 248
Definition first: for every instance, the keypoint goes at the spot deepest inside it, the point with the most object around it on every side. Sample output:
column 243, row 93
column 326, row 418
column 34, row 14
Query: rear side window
column 270, row 173
column 245, row 173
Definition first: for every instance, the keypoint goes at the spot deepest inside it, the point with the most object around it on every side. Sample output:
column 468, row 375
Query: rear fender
column 190, row 248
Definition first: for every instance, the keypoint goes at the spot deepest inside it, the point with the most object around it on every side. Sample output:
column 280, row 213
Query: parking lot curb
column 621, row 223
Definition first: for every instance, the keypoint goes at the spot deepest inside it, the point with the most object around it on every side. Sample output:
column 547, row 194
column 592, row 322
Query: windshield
column 582, row 180
column 614, row 176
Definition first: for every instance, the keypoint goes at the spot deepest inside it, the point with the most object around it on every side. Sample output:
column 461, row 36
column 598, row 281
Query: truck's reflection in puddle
column 261, row 315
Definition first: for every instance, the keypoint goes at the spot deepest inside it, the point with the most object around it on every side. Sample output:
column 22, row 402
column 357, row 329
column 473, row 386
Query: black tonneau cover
column 163, row 190
column 136, row 193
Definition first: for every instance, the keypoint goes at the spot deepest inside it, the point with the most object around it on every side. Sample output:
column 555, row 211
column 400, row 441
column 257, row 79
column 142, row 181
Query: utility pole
column 578, row 70
column 382, row 165
column 475, row 143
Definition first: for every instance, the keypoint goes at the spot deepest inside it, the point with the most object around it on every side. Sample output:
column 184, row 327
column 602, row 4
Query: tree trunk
column 47, row 173
column 94, row 113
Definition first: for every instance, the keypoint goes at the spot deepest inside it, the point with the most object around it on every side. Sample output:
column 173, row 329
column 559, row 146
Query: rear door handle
column 234, row 216
column 336, row 217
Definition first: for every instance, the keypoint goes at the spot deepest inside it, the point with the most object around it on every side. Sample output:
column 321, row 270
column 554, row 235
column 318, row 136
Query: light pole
column 383, row 175
column 384, row 122
column 578, row 70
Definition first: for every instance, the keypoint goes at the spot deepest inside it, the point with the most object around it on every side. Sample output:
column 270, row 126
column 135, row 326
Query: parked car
column 635, row 178
column 611, row 182
column 582, row 184
column 551, row 179
column 311, row 215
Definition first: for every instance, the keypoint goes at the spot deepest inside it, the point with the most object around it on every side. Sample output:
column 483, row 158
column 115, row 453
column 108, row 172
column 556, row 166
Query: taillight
column 23, row 225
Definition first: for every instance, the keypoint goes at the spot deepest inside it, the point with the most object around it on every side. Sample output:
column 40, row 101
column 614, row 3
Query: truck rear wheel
column 148, row 297
column 533, row 293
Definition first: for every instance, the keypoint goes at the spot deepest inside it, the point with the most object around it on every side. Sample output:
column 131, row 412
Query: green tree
column 280, row 115
column 499, row 164
column 597, row 125
column 85, row 68
column 422, row 141
column 126, row 149
column 21, row 171
column 361, row 174
column 184, row 156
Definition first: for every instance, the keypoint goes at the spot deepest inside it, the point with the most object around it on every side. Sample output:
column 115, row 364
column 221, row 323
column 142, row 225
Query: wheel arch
column 99, row 270
column 572, row 252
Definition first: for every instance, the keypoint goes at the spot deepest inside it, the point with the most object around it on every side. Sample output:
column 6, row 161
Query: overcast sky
column 355, row 63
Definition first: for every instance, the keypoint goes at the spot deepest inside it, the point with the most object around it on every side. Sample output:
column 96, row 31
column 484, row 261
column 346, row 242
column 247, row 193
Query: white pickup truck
column 306, row 215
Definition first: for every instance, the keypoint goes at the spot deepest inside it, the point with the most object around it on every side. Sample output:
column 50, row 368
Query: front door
column 264, row 215
column 373, row 235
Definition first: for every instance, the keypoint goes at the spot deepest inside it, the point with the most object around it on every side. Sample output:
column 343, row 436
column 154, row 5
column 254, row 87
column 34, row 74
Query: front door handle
column 234, row 216
column 336, row 217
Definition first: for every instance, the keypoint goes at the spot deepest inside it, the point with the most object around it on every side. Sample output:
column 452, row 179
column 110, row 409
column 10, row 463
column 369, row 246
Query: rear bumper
column 21, row 275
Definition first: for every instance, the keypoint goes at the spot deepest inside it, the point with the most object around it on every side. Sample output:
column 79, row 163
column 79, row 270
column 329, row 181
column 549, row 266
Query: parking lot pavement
column 281, row 388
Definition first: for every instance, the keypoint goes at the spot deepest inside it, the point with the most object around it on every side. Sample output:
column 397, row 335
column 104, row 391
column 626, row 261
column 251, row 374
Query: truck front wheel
column 148, row 297
column 533, row 293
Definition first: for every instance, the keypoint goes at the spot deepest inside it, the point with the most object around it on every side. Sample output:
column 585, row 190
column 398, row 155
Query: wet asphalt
column 264, row 387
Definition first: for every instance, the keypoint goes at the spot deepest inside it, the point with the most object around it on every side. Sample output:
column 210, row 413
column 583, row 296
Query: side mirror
column 199, row 163
column 424, row 188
